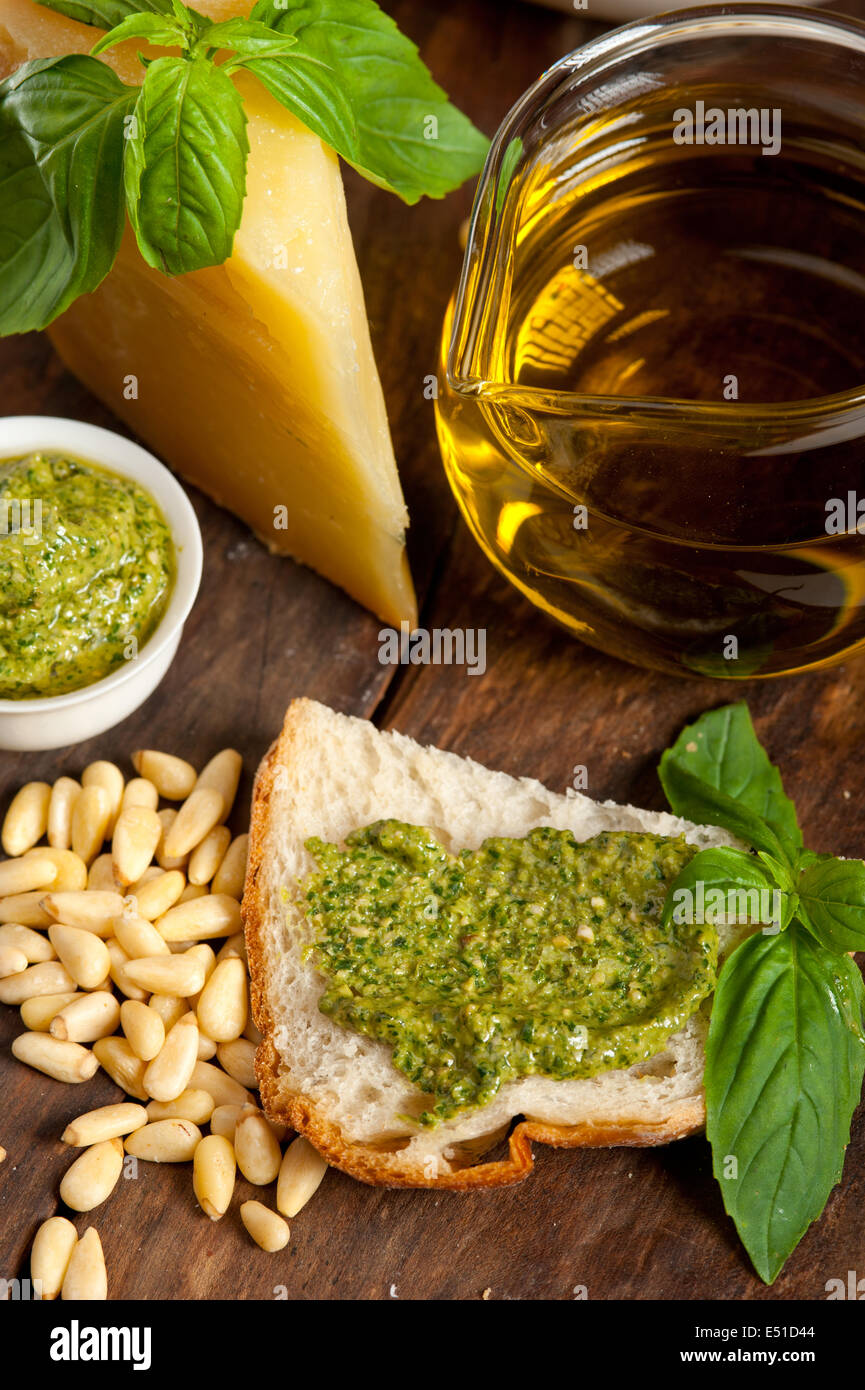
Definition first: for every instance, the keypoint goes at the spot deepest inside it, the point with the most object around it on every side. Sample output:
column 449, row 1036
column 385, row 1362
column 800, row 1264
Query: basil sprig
column 79, row 148
column 785, row 1055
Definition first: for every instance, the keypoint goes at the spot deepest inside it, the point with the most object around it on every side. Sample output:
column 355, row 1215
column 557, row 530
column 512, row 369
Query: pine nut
column 144, row 1029
column 65, row 1061
column 27, row 818
column 125, row 1069
column 224, row 1120
column 92, row 1178
column 136, row 836
column 234, row 946
column 34, row 946
column 167, row 1076
column 91, row 818
column 229, row 877
column 86, row 1278
column 213, row 1174
column 252, row 1033
column 222, row 774
column 166, row 861
column 213, row 914
column 139, row 791
column 83, row 953
column 197, row 816
column 71, row 871
column 87, row 1018
column 237, row 1059
column 165, row 1141
column 302, row 1170
column 64, row 794
column 37, row 1013
column 50, row 1255
column 258, row 1154
column 48, row 977
column 108, row 1122
column 224, row 1001
column 200, row 951
column 206, row 1047
column 110, row 779
column 12, row 961
column 196, row 1106
column 173, row 777
column 191, row 891
column 88, row 911
column 152, row 871
column 268, row 1230
column 161, row 892
column 119, row 972
column 138, row 937
column 167, row 974
column 25, row 910
column 170, row 1008
column 23, row 875
column 207, row 857
column 224, row 1089
column 100, row 878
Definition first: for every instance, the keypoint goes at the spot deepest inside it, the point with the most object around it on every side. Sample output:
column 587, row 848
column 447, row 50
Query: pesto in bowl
column 87, row 565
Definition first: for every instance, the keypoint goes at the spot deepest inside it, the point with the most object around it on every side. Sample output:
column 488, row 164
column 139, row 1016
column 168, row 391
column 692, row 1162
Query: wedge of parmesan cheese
column 255, row 380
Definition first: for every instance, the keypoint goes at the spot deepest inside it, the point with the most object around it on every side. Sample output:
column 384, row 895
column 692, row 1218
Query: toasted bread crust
column 380, row 1166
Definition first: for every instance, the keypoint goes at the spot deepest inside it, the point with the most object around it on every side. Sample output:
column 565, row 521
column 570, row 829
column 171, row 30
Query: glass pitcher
column 651, row 400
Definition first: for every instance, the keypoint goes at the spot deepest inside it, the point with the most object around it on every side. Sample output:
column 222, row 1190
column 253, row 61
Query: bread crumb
column 691, row 747
column 486, row 1295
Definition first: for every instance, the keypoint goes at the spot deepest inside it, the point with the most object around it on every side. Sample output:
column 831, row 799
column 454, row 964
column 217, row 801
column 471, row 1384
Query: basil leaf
column 359, row 83
column 151, row 27
column 186, row 165
column 785, row 1059
column 723, row 751
column 832, row 893
column 702, row 803
column 723, row 884
column 61, row 185
column 247, row 38
column 105, row 14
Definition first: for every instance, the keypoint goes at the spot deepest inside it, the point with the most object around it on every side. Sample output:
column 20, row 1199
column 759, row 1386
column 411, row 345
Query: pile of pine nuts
column 108, row 955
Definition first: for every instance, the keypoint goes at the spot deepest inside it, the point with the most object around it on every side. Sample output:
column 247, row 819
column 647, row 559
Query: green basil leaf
column 105, row 14
column 832, row 893
column 704, row 804
column 360, row 84
column 727, row 885
column 723, row 751
column 247, row 38
column 153, row 28
column 61, row 185
column 785, row 1059
column 186, row 165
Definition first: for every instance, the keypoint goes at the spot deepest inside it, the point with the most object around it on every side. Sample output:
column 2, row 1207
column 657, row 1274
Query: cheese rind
column 255, row 379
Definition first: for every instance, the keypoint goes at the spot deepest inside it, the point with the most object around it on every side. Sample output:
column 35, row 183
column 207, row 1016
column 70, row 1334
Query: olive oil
column 648, row 450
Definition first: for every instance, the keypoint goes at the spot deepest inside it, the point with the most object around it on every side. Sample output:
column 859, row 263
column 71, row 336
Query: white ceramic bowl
column 57, row 720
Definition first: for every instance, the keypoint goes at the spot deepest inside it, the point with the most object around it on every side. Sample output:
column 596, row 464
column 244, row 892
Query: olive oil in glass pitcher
column 652, row 390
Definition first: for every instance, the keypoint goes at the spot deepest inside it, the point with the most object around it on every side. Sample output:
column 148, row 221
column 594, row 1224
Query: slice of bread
column 328, row 774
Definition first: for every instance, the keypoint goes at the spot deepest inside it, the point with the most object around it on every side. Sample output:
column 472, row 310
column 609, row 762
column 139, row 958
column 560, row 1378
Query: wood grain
column 622, row 1224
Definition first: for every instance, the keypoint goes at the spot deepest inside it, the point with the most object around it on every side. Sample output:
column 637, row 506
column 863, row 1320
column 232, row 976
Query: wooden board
column 622, row 1224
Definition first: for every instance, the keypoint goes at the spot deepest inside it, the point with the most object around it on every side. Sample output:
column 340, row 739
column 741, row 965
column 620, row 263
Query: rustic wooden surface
column 624, row 1224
